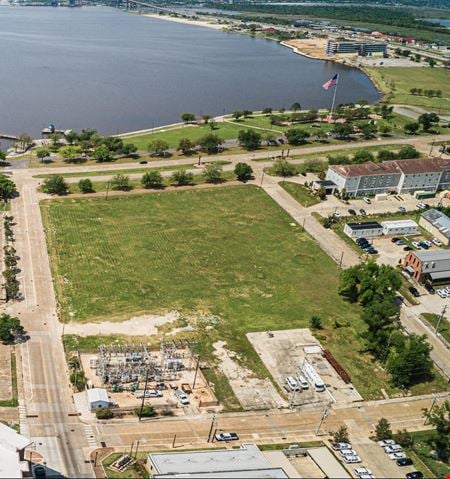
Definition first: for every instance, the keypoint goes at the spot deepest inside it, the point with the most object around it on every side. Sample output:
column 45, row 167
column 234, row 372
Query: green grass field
column 231, row 252
column 398, row 82
column 300, row 193
column 421, row 453
column 444, row 326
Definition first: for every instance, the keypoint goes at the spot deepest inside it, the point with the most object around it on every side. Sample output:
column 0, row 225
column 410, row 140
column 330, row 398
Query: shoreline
column 186, row 21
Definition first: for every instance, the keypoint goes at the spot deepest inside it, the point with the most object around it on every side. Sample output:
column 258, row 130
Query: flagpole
column 334, row 97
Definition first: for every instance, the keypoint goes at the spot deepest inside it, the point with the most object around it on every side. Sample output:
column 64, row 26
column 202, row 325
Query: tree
column 282, row 167
column 104, row 413
column 55, row 185
column 10, row 328
column 102, row 154
column 297, row 136
column 78, row 379
column 70, row 152
column 341, row 435
column 213, row 173
column 237, row 114
column 247, row 113
column 384, row 129
column 386, row 155
column 432, row 62
column 186, row 146
column 427, row 120
column 187, row 117
column 411, row 128
column 206, row 119
column 369, row 130
column 342, row 130
column 439, row 417
column 315, row 322
column 55, row 137
column 85, row 185
column 182, row 177
column 24, row 141
column 7, row 188
column 158, row 147
column 410, row 363
column 127, row 149
column 243, row 171
column 152, row 179
column 71, row 137
column 267, row 111
column 212, row 125
column 363, row 156
column 42, row 153
column 121, row 183
column 147, row 411
column 210, row 143
column 249, row 139
column 383, row 430
column 403, row 438
column 296, row 106
column 407, row 152
column 270, row 138
column 386, row 111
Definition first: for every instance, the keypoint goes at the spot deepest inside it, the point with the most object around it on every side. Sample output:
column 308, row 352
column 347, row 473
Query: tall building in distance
column 364, row 49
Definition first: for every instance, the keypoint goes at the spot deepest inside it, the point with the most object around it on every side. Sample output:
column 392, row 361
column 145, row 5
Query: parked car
column 339, row 446
column 394, row 239
column 372, row 251
column 429, row 288
column 400, row 242
column 416, row 245
column 39, row 471
column 362, row 212
column 442, row 293
column 402, row 209
column 182, row 397
column 390, row 449
column 404, row 461
column 397, row 455
column 414, row 291
column 347, row 452
column 414, row 475
column 386, row 442
column 408, row 248
column 143, row 162
column 362, row 240
column 292, row 383
column 436, row 242
column 363, row 470
column 421, row 206
column 352, row 211
column 424, row 245
column 352, row 459
column 364, row 244
column 303, row 382
column 227, row 436
column 428, row 243
column 367, row 200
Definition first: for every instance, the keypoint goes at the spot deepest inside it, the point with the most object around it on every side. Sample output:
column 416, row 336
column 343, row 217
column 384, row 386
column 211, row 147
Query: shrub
column 147, row 411
column 249, row 139
column 85, row 185
column 121, row 183
column 55, row 185
column 152, row 179
column 104, row 413
column 213, row 173
column 243, row 171
column 182, row 177
column 283, row 168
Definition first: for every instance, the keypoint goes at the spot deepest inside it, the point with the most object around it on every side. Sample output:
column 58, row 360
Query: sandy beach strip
column 186, row 21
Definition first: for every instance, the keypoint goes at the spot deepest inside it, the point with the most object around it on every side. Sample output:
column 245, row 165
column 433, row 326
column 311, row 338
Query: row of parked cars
column 295, row 383
column 364, row 244
column 395, row 453
column 349, row 455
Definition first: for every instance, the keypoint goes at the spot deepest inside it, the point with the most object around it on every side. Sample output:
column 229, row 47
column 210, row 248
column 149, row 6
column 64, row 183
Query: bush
column 210, row 143
column 362, row 156
column 249, row 139
column 152, row 179
column 297, row 136
column 78, row 379
column 182, row 177
column 147, row 411
column 243, row 171
column 283, row 168
column 121, row 183
column 407, row 152
column 104, row 413
column 55, row 185
column 315, row 322
column 213, row 173
column 85, row 185
column 386, row 155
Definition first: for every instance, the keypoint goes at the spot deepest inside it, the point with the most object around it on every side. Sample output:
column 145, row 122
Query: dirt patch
column 5, row 373
column 146, row 325
column 251, row 392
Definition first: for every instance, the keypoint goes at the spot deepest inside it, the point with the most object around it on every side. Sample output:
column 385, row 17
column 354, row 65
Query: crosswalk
column 23, row 423
column 90, row 436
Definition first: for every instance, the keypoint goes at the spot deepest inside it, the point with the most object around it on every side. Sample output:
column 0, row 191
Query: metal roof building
column 247, row 461
column 365, row 229
column 433, row 265
column 98, row 398
column 436, row 223
column 400, row 227
column 12, row 446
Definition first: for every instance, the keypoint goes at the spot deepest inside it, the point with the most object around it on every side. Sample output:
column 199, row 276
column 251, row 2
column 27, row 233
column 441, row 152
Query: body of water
column 438, row 21
column 103, row 68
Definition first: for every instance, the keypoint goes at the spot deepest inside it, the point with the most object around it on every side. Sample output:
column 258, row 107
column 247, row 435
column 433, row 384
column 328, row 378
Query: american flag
column 331, row 82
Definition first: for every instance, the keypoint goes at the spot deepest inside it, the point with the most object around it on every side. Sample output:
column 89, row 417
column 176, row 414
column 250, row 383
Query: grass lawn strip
column 228, row 251
column 300, row 193
column 422, row 450
column 444, row 326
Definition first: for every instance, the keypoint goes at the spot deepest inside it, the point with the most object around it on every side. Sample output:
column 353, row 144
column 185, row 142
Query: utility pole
column 143, row 395
column 107, row 189
column 322, row 419
column 196, row 372
column 444, row 309
column 340, row 261
column 213, row 422
column 262, row 178
column 431, row 408
column 432, row 146
column 173, row 442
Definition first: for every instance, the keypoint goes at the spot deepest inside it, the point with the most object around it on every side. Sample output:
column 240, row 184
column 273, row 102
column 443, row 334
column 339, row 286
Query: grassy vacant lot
column 420, row 452
column 300, row 193
column 444, row 326
column 399, row 81
column 228, row 251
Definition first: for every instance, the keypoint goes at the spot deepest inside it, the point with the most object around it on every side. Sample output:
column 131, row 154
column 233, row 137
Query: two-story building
column 397, row 176
column 432, row 265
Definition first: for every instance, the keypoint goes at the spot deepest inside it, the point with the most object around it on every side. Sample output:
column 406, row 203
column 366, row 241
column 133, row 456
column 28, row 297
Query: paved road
column 45, row 397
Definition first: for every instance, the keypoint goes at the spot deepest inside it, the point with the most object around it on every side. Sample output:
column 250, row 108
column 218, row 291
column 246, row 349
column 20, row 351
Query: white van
column 292, row 383
column 182, row 397
column 303, row 382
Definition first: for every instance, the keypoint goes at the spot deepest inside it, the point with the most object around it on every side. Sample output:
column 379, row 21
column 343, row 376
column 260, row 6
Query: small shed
column 97, row 398
column 400, row 227
column 368, row 229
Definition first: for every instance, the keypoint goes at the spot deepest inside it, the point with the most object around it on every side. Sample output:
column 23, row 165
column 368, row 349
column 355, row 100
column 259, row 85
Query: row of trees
column 11, row 283
column 406, row 358
column 426, row 121
column 10, row 329
column 424, row 92
column 152, row 179
column 364, row 155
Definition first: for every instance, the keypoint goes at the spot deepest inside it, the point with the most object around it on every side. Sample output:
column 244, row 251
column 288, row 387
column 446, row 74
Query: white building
column 368, row 229
column 12, row 453
column 246, row 462
column 398, row 176
column 400, row 227
column 436, row 223
column 98, row 398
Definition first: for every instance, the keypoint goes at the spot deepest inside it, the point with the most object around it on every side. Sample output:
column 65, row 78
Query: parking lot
column 283, row 352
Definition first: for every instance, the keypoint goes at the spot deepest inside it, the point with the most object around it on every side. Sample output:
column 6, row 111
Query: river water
column 103, row 68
